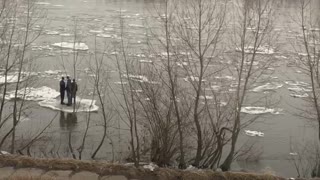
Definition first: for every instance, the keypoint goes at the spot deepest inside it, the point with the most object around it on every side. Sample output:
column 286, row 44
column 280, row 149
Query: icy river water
column 281, row 131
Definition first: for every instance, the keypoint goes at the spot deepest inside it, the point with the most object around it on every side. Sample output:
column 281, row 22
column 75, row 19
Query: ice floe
column 296, row 83
column 52, row 33
column 139, row 78
column 42, row 3
column 260, row 110
column 34, row 94
column 267, row 87
column 260, row 50
column 48, row 97
column 295, row 95
column 136, row 25
column 65, row 34
column 193, row 78
column 104, row 35
column 95, row 31
column 75, row 46
column 293, row 154
column 82, row 105
column 254, row 133
column 145, row 61
column 12, row 78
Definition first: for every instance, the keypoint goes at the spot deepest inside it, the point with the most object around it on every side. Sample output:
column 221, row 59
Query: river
column 282, row 132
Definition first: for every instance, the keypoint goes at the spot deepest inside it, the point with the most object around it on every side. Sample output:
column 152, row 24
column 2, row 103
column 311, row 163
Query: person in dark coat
column 68, row 89
column 62, row 89
column 74, row 89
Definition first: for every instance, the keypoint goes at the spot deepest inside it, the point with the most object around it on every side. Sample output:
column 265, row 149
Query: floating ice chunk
column 296, row 83
column 298, row 89
column 302, row 54
column 225, row 77
column 150, row 166
column 58, row 5
column 145, row 61
column 260, row 50
column 136, row 25
column 293, row 154
column 42, row 3
column 214, row 88
column 95, row 31
column 267, row 87
column 108, row 29
column 34, row 94
column 52, row 33
column 75, row 46
column 65, row 34
column 206, row 97
column 104, row 35
column 193, row 78
column 13, row 78
column 52, row 72
column 121, row 83
column 138, row 78
column 254, row 133
column 40, row 48
column 182, row 64
column 299, row 95
column 260, row 110
column 82, row 105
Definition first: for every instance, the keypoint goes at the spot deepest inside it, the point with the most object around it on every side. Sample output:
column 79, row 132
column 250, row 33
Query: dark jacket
column 62, row 86
column 68, row 87
column 74, row 88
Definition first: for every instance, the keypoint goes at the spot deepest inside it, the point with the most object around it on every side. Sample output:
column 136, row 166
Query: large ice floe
column 260, row 110
column 267, row 87
column 12, row 78
column 48, row 97
column 34, row 94
column 76, row 46
column 254, row 133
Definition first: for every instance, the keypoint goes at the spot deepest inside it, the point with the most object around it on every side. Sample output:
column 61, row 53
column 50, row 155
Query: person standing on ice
column 74, row 89
column 68, row 89
column 62, row 89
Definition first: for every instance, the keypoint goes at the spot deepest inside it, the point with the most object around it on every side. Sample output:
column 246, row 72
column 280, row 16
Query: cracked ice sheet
column 83, row 105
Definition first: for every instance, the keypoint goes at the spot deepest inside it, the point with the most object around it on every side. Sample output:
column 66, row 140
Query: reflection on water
column 69, row 122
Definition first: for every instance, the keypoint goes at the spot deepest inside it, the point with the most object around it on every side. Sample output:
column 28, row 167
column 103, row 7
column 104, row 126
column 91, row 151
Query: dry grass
column 128, row 171
column 29, row 178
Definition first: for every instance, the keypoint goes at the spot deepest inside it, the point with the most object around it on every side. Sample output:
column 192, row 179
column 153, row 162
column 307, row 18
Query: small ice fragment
column 95, row 31
column 293, row 154
column 254, row 133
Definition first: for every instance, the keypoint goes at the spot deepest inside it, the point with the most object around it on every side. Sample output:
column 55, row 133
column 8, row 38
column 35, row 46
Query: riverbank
column 14, row 167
